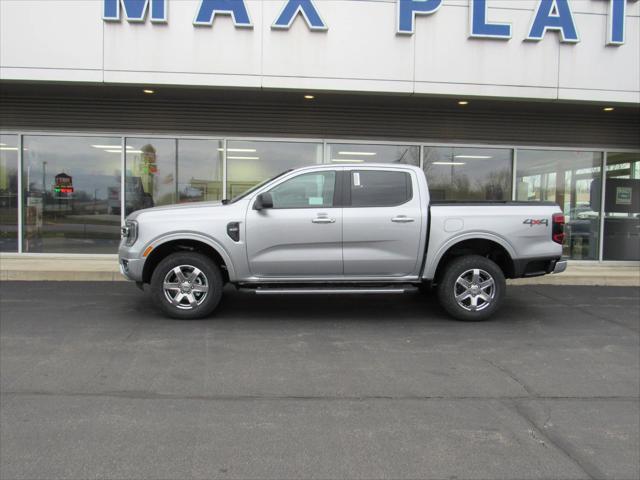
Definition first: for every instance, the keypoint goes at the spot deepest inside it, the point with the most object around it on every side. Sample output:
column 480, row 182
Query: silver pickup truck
column 330, row 229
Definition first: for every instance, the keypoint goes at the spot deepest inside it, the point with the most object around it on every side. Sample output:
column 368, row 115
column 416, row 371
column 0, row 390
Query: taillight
column 557, row 230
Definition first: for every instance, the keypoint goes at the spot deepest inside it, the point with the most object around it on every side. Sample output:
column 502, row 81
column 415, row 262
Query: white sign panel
column 545, row 49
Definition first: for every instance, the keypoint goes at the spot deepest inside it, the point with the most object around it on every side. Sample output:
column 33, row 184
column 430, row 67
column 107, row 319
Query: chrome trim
column 348, row 280
column 332, row 291
column 561, row 266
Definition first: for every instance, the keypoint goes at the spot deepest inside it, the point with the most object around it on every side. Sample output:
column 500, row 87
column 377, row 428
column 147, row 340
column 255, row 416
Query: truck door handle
column 323, row 220
column 402, row 219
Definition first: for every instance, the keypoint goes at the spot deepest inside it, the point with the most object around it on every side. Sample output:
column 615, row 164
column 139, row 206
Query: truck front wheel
column 472, row 288
column 187, row 285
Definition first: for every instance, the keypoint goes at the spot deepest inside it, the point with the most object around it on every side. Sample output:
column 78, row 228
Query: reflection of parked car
column 135, row 197
column 582, row 211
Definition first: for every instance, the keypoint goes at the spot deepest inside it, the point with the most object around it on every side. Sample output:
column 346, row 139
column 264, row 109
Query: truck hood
column 180, row 206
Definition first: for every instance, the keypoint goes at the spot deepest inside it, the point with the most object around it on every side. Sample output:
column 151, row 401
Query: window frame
column 336, row 199
column 346, row 187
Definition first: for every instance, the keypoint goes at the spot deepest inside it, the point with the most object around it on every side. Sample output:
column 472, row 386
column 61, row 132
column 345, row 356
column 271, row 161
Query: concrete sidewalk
column 51, row 267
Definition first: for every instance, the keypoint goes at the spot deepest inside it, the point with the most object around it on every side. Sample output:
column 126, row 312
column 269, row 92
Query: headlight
column 130, row 232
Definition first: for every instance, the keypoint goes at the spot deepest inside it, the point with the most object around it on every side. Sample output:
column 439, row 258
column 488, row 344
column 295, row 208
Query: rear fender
column 432, row 260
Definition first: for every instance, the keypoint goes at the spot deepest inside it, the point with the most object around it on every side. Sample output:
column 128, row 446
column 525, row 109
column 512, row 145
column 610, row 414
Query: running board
column 329, row 290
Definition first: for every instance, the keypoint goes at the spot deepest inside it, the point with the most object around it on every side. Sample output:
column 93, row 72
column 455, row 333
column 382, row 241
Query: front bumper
column 131, row 265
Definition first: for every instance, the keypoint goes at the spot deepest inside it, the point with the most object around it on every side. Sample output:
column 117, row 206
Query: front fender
column 433, row 259
column 198, row 237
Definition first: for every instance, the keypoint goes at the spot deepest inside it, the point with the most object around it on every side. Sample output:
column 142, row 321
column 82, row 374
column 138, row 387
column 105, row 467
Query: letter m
column 135, row 10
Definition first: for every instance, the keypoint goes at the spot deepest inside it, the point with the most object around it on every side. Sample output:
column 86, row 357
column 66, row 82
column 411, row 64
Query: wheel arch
column 491, row 246
column 195, row 243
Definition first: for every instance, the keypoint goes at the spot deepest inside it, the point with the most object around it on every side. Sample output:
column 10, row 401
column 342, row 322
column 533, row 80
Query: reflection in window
column 249, row 163
column 151, row 173
column 338, row 153
column 9, row 193
column 370, row 188
column 468, row 173
column 310, row 190
column 622, row 207
column 199, row 170
column 71, row 194
column 572, row 180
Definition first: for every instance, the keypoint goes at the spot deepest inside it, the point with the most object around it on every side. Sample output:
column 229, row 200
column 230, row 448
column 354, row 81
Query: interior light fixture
column 243, row 158
column 479, row 157
column 111, row 147
column 367, row 154
column 448, row 163
column 148, row 91
column 11, row 149
column 608, row 109
column 463, row 102
column 309, row 97
column 3, row 144
column 241, row 150
column 347, row 160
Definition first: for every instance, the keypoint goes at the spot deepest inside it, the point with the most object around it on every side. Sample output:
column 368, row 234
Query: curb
column 78, row 276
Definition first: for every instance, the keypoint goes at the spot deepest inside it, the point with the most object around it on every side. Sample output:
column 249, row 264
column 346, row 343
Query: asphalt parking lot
column 95, row 384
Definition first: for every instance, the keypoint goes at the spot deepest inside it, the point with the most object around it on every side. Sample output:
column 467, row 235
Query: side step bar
column 329, row 290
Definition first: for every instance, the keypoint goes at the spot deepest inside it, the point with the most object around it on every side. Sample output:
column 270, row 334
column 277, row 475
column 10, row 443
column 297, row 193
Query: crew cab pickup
column 329, row 229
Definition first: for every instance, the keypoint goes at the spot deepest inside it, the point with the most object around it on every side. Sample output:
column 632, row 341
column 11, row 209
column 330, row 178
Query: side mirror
column 264, row 200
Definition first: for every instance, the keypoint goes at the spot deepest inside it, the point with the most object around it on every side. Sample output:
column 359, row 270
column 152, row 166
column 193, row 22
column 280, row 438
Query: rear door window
column 380, row 188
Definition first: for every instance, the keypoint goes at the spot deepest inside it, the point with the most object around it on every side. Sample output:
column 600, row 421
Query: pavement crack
column 547, row 436
column 589, row 312
column 144, row 395
column 513, row 377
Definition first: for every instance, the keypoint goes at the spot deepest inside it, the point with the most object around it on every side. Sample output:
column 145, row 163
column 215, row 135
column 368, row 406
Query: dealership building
column 109, row 106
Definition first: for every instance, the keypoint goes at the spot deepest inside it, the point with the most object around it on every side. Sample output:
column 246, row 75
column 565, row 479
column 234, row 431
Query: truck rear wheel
column 187, row 285
column 472, row 288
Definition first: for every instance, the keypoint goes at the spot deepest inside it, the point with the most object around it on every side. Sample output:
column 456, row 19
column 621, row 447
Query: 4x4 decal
column 536, row 221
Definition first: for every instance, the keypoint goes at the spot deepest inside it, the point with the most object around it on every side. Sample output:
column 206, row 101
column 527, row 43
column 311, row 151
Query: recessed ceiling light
column 309, row 97
column 366, row 154
column 243, row 158
column 608, row 109
column 448, row 163
column 463, row 102
column 148, row 91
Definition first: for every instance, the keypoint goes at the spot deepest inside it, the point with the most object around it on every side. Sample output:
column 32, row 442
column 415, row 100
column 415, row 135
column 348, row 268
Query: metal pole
column 224, row 169
column 602, row 195
column 20, row 196
column 514, row 174
column 123, row 172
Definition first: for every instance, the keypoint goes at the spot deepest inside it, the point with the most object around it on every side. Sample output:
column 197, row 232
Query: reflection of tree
column 457, row 185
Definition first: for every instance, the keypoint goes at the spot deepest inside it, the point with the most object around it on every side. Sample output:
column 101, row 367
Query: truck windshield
column 256, row 187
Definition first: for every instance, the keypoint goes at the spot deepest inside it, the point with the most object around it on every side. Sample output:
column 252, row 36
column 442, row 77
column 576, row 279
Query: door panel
column 302, row 234
column 382, row 240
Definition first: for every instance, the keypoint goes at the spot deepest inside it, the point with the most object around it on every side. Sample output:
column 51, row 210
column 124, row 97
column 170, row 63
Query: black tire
column 487, row 301
column 209, row 277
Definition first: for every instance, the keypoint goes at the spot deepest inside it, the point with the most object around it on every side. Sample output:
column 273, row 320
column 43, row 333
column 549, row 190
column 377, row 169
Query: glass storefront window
column 71, row 194
column 199, row 170
column 468, row 173
column 150, row 173
column 250, row 162
column 622, row 207
column 338, row 153
column 9, row 193
column 572, row 179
